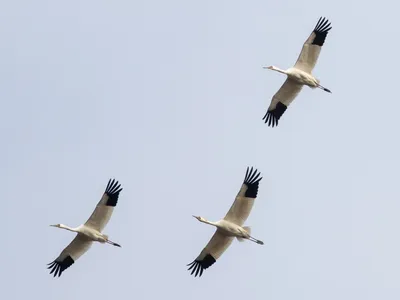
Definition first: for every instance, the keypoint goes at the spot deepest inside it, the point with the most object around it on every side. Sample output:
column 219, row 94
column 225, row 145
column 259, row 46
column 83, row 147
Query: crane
column 230, row 226
column 89, row 232
column 299, row 75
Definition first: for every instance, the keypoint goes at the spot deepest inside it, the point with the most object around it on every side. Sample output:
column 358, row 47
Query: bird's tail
column 248, row 229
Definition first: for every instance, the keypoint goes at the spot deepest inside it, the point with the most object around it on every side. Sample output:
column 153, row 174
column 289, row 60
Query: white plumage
column 299, row 75
column 230, row 226
column 89, row 232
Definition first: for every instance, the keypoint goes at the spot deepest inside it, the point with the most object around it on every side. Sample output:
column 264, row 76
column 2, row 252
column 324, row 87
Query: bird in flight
column 89, row 232
column 299, row 75
column 230, row 226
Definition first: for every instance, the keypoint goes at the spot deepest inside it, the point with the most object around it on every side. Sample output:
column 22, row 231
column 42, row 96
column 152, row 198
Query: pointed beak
column 265, row 67
column 53, row 225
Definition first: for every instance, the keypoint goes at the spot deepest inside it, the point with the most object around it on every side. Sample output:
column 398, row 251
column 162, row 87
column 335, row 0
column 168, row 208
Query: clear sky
column 168, row 98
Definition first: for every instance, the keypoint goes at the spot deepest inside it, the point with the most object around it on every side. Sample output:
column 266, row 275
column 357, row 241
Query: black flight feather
column 272, row 116
column 112, row 191
column 321, row 31
column 198, row 266
column 252, row 180
column 57, row 267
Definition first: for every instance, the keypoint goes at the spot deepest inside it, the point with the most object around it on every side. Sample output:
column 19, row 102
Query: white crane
column 299, row 75
column 89, row 232
column 230, row 226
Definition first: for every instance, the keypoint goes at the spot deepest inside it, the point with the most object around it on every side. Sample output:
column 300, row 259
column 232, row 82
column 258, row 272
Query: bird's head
column 199, row 218
column 56, row 225
column 270, row 67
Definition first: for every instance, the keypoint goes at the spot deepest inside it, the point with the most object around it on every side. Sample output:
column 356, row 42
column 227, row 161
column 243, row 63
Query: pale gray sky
column 168, row 98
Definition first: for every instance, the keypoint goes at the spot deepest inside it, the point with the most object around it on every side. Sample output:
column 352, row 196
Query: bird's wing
column 312, row 46
column 79, row 245
column 281, row 100
column 241, row 207
column 103, row 211
column 214, row 249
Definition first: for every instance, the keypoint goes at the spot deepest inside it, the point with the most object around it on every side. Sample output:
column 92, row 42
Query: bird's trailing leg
column 112, row 243
column 256, row 241
column 323, row 88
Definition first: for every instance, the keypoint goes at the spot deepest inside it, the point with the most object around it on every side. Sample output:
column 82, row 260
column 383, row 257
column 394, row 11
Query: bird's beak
column 265, row 67
column 53, row 225
column 193, row 216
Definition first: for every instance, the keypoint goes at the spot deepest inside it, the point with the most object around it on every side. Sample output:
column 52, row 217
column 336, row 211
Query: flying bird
column 89, row 232
column 299, row 75
column 230, row 226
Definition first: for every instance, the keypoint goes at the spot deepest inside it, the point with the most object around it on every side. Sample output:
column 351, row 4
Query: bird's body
column 89, row 232
column 299, row 75
column 230, row 226
column 230, row 229
column 302, row 77
column 93, row 234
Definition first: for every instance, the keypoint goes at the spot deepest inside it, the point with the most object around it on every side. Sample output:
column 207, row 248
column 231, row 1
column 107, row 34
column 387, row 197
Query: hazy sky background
column 168, row 98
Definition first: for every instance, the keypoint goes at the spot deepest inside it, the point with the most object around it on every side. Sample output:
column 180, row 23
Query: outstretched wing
column 79, row 245
column 312, row 46
column 214, row 249
column 281, row 100
column 104, row 209
column 241, row 207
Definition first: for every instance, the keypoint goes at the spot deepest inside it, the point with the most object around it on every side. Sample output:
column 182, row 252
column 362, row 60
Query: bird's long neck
column 209, row 222
column 68, row 228
column 279, row 70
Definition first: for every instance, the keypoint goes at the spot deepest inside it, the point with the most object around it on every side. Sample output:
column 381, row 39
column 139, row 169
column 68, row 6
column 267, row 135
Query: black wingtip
column 112, row 190
column 270, row 119
column 198, row 266
column 321, row 30
column 323, row 24
column 252, row 179
column 272, row 116
column 57, row 267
